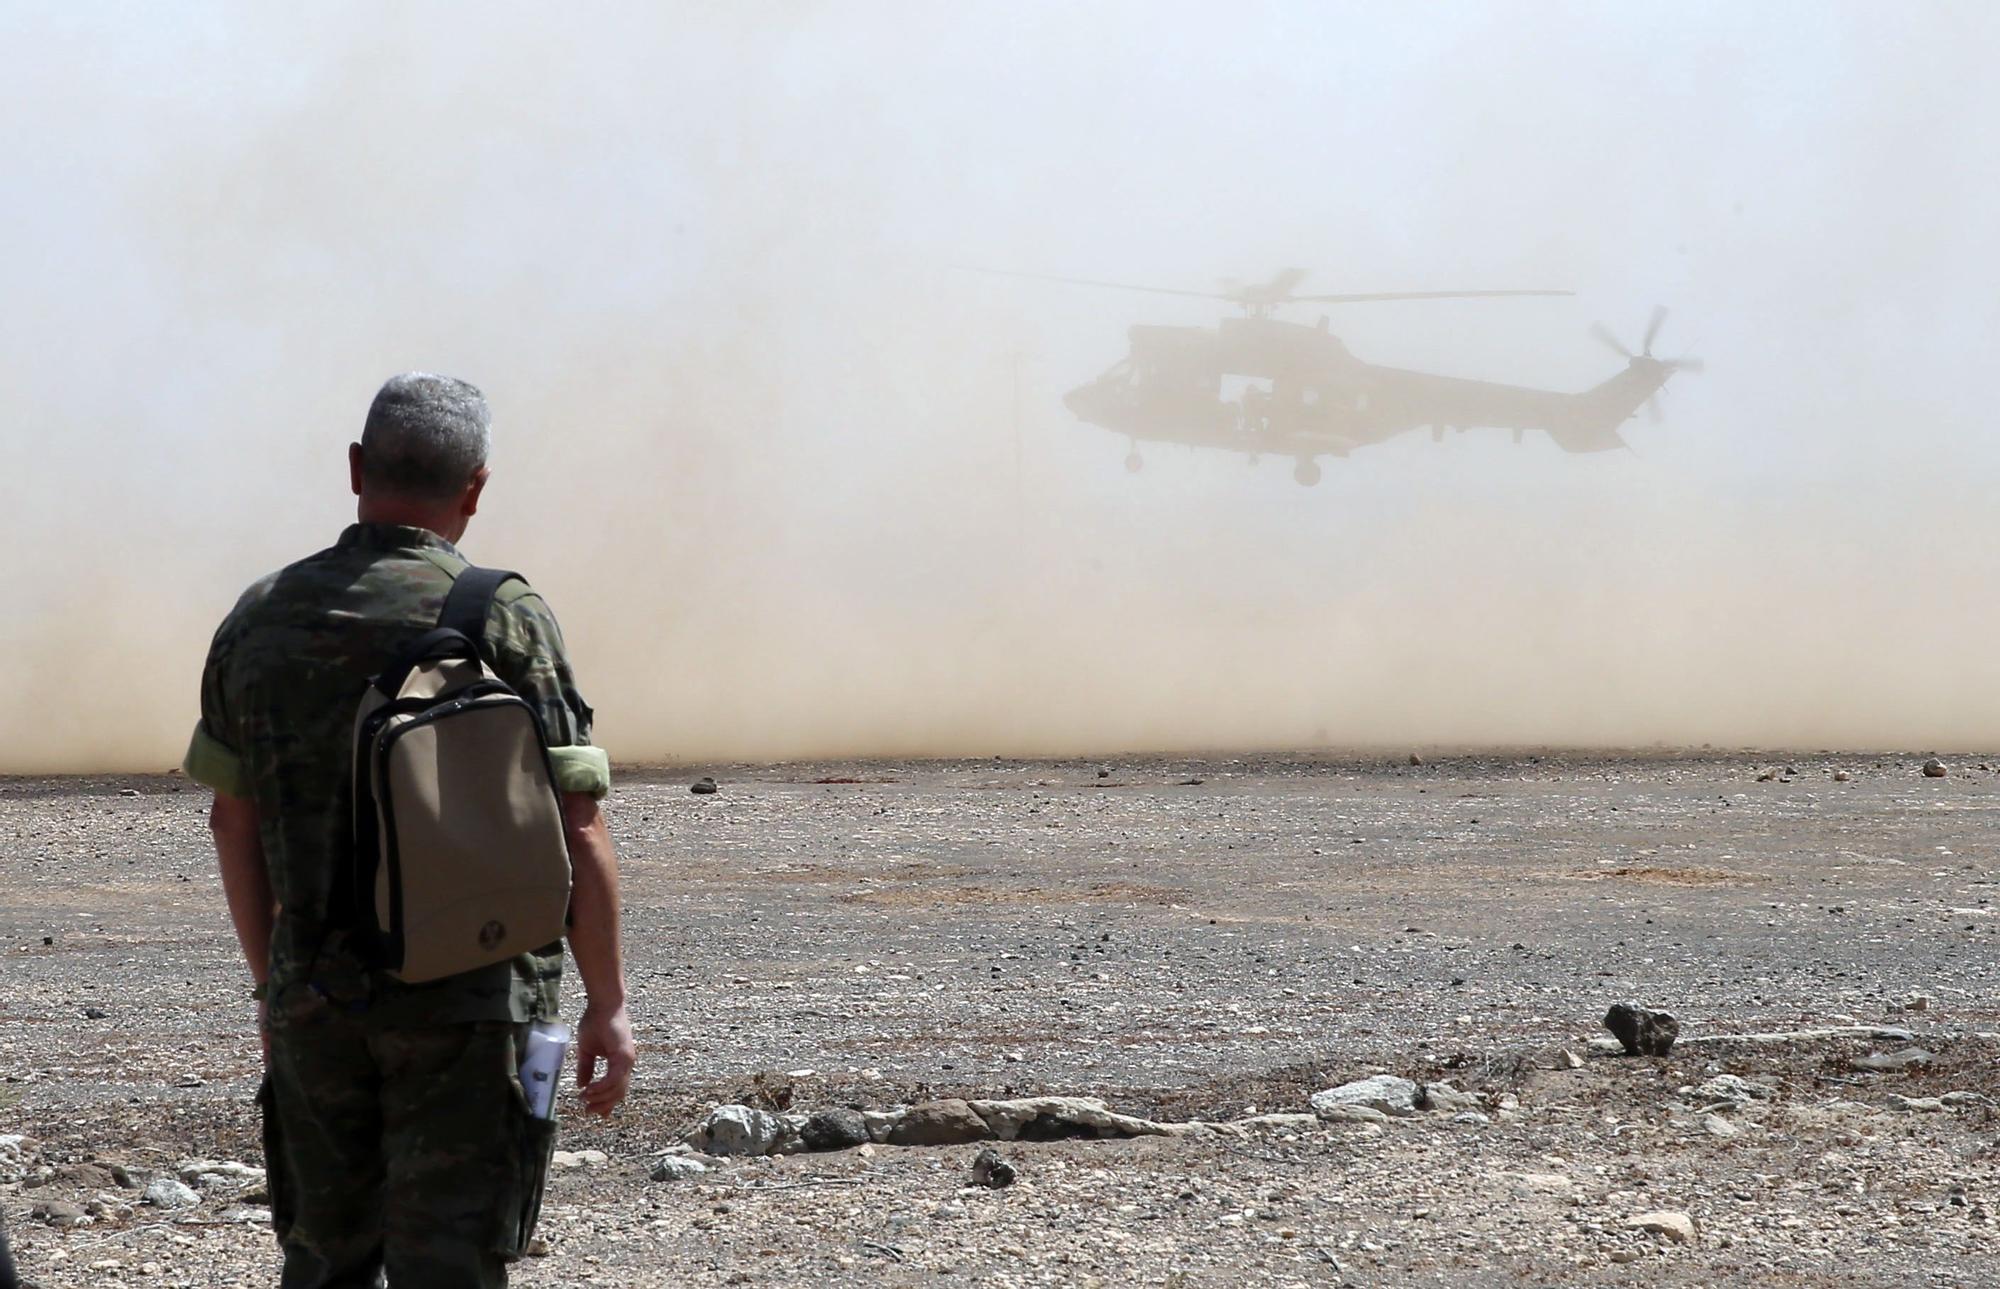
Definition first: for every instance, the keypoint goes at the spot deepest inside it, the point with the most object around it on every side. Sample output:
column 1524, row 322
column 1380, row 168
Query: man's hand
column 604, row 1034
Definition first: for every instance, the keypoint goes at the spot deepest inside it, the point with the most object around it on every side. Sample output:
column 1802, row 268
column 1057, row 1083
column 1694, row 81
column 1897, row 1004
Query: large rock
column 1060, row 1119
column 737, row 1130
column 1673, row 1224
column 835, row 1129
column 60, row 1214
column 1642, row 1031
column 165, row 1192
column 1884, row 1062
column 939, row 1123
column 217, row 1172
column 1384, row 1092
column 1729, row 1089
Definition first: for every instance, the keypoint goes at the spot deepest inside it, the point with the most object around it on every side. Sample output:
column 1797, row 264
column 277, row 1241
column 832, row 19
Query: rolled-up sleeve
column 214, row 764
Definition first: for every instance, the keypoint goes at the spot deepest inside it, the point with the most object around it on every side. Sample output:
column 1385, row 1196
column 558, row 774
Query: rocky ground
column 1193, row 941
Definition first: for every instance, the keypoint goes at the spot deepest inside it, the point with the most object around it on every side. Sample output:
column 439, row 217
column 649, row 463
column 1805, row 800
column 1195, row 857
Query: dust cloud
column 800, row 486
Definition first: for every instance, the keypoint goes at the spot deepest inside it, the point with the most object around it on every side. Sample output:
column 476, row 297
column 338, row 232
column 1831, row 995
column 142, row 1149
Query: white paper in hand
column 541, row 1065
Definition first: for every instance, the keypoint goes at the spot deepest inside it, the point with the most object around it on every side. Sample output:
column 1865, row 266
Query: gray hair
column 426, row 436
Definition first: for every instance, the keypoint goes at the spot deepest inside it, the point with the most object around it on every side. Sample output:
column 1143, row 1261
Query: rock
column 1352, row 1114
column 1718, row 1126
column 1473, row 1117
column 165, row 1192
column 1883, row 1062
column 1384, row 1092
column 94, row 1013
column 571, row 1160
column 1568, row 1060
column 59, row 1214
column 736, row 1130
column 1415, row 759
column 1675, row 1225
column 1955, row 1099
column 703, row 787
column 1292, row 1122
column 89, row 1177
column 1642, row 1032
column 678, row 1168
column 991, row 1171
column 939, row 1123
column 1841, row 776
column 1730, row 1088
column 1935, row 769
column 1446, row 1098
column 835, row 1129
column 881, row 1123
column 1917, row 1003
column 1917, row 1105
column 1061, row 1119
column 215, row 1172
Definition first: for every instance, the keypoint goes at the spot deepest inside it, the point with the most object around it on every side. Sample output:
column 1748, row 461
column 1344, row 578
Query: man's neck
column 448, row 524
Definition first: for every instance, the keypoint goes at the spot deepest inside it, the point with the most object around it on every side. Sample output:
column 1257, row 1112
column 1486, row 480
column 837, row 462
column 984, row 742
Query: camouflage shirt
column 284, row 676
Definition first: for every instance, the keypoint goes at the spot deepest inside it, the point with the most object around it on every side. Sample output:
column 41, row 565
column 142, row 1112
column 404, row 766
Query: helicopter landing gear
column 1306, row 472
column 1134, row 463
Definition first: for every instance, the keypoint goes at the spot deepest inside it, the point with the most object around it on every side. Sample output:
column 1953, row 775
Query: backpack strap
column 471, row 599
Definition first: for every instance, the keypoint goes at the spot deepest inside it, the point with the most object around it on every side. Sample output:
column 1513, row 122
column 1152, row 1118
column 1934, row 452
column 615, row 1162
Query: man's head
column 422, row 456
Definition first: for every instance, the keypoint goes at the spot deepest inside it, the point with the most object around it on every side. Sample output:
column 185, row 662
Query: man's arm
column 246, row 885
column 605, row 1032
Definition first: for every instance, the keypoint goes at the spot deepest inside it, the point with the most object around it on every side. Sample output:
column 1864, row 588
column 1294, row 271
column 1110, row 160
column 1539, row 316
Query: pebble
column 991, row 1171
column 703, row 787
column 678, row 1168
column 736, row 1130
column 570, row 1160
column 1935, row 769
column 1642, row 1031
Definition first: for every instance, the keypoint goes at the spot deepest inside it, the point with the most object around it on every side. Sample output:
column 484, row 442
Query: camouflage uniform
column 395, row 1129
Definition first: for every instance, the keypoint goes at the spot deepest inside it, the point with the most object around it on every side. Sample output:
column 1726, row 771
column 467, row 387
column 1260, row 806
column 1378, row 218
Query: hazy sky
column 754, row 433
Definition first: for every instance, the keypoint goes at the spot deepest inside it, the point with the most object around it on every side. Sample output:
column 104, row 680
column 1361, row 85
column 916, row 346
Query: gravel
column 1193, row 939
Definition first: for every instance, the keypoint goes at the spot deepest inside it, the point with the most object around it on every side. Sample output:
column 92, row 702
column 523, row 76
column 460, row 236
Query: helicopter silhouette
column 1304, row 395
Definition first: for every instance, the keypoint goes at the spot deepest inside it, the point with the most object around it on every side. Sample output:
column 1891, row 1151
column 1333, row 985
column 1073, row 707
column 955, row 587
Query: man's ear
column 469, row 504
column 354, row 467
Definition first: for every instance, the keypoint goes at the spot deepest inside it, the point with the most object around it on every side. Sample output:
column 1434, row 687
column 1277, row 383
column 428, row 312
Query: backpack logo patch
column 491, row 935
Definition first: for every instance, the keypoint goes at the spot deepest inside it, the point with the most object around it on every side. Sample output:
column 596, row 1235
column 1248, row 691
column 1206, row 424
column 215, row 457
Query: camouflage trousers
column 405, row 1152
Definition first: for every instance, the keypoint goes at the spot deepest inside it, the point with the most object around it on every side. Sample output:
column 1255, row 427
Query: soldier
column 395, row 1131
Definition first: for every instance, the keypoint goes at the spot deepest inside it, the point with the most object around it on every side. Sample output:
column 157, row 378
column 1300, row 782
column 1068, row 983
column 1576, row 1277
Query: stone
column 1718, row 1126
column 678, row 1168
column 59, row 1214
column 1384, row 1092
column 836, row 1129
column 991, row 1171
column 1292, row 1122
column 1935, row 769
column 1671, row 1223
column 736, row 1130
column 1730, row 1088
column 703, row 787
column 881, row 1123
column 1351, row 1114
column 571, row 1160
column 1445, row 1098
column 1061, row 1119
column 1841, row 776
column 1884, row 1062
column 90, row 1177
column 1415, row 759
column 1472, row 1117
column 1917, row 1105
column 950, row 1122
column 165, row 1192
column 1568, row 1060
column 217, row 1172
column 1642, row 1031
column 94, row 1013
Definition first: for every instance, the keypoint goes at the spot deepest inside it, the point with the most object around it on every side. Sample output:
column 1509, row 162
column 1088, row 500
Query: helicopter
column 1299, row 392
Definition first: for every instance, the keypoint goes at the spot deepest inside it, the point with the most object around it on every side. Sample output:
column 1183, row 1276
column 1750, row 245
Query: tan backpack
column 460, row 856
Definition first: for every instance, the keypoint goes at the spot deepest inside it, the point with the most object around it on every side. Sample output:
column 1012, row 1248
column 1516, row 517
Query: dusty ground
column 1186, row 938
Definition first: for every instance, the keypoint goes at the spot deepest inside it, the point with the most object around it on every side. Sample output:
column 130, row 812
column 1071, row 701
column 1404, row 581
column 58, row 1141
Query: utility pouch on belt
column 460, row 857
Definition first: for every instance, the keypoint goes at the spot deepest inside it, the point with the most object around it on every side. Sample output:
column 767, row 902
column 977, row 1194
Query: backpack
column 460, row 855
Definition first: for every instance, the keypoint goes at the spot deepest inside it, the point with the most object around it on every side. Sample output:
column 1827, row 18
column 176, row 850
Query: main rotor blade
column 1653, row 329
column 1602, row 333
column 1413, row 295
column 1115, row 286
